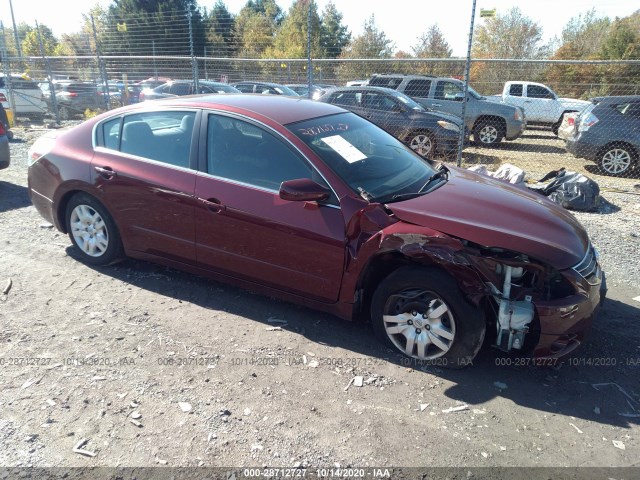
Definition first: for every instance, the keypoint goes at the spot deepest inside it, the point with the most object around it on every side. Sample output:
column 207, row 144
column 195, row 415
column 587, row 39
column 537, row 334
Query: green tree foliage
column 372, row 43
column 221, row 41
column 510, row 35
column 255, row 27
column 432, row 44
column 334, row 36
column 133, row 25
column 291, row 38
column 31, row 45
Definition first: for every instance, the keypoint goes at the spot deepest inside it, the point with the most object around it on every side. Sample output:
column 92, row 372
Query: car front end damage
column 530, row 307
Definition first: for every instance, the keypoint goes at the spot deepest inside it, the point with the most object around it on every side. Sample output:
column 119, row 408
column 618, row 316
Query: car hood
column 493, row 213
column 434, row 115
column 574, row 103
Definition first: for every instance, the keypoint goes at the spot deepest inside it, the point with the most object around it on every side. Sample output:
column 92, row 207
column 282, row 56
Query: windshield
column 364, row 156
column 474, row 94
column 282, row 90
column 408, row 101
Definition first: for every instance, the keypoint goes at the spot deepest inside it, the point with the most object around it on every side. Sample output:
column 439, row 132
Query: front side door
column 244, row 229
column 386, row 112
column 540, row 104
column 143, row 165
column 448, row 97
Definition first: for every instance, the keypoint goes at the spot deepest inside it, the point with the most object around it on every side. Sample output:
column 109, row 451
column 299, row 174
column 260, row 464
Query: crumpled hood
column 574, row 104
column 494, row 213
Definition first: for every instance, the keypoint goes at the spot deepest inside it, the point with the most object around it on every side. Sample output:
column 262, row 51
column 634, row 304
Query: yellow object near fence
column 9, row 117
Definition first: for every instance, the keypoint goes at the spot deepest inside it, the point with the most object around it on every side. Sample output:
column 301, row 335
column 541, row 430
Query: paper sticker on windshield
column 347, row 151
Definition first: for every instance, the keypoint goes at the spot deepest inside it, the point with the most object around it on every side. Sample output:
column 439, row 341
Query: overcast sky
column 403, row 21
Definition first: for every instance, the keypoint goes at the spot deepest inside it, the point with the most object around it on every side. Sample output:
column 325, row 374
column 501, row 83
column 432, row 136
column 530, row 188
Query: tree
column 334, row 36
column 31, row 44
column 134, row 27
column 432, row 44
column 291, row 38
column 582, row 36
column 372, row 43
column 255, row 27
column 512, row 35
column 221, row 31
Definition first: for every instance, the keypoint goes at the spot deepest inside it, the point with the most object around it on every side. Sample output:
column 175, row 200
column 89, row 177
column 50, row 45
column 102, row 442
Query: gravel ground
column 156, row 367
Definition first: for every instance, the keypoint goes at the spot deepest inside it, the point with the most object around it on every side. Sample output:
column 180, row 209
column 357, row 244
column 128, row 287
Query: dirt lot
column 156, row 367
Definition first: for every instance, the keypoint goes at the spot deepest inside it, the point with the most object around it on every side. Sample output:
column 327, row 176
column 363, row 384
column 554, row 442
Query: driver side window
column 240, row 151
column 448, row 91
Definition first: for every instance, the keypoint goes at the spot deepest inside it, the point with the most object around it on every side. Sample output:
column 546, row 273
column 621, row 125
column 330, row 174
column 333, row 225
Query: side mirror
column 303, row 190
column 397, row 109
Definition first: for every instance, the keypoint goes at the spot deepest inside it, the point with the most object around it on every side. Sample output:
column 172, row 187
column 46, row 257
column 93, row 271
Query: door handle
column 213, row 204
column 436, row 104
column 105, row 172
column 527, row 101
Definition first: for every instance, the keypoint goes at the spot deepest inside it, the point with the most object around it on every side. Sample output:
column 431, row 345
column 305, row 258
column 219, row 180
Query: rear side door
column 385, row 112
column 418, row 89
column 144, row 165
column 245, row 230
column 515, row 97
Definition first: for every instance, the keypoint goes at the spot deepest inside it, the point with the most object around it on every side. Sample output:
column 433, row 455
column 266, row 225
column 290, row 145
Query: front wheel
column 423, row 314
column 92, row 230
column 487, row 133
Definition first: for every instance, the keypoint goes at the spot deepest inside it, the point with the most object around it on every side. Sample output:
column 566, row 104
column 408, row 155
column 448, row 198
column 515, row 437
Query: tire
column 63, row 113
column 92, row 230
column 616, row 160
column 9, row 134
column 422, row 143
column 487, row 133
column 401, row 309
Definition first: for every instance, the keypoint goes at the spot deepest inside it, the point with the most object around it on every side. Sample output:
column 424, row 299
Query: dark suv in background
column 73, row 98
column 608, row 133
column 490, row 122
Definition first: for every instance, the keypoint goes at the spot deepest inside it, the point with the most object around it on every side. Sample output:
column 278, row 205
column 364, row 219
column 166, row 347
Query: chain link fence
column 535, row 114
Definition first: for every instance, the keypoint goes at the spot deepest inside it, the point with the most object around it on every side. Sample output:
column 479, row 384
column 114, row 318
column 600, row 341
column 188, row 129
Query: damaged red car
column 313, row 204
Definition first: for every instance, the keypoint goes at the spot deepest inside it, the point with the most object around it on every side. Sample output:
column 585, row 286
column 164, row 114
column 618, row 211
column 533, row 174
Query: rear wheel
column 423, row 314
column 487, row 132
column 616, row 160
column 92, row 230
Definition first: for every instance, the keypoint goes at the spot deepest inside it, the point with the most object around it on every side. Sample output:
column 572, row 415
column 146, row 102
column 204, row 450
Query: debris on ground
column 185, row 406
column 459, row 408
column 577, row 429
column 7, row 287
column 78, row 448
column 358, row 381
column 619, row 444
column 500, row 385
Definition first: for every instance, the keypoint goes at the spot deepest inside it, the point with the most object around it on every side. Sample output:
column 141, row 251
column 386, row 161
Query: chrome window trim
column 143, row 159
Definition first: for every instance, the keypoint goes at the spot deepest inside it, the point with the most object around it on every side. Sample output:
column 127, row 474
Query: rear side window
column 629, row 108
column 349, row 99
column 389, row 82
column 418, row 88
column 245, row 88
column 161, row 136
column 111, row 134
column 515, row 90
column 82, row 88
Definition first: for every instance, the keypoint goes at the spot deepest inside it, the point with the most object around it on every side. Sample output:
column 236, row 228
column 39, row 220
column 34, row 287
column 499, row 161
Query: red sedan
column 313, row 204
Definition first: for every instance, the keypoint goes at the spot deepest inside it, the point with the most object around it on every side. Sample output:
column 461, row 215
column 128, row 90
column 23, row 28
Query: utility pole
column 309, row 64
column 466, row 85
column 15, row 31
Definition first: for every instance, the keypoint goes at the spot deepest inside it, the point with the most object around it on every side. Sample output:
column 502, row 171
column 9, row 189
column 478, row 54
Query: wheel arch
column 385, row 263
column 496, row 118
column 619, row 143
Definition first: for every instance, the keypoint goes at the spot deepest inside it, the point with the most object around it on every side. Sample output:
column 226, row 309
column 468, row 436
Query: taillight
column 67, row 94
column 141, row 97
column 2, row 130
column 587, row 122
column 3, row 98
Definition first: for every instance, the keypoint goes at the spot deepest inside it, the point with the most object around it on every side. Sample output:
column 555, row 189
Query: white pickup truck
column 541, row 105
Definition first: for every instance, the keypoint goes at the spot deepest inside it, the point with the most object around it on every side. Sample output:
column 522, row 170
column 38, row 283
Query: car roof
column 279, row 108
column 613, row 99
column 253, row 82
